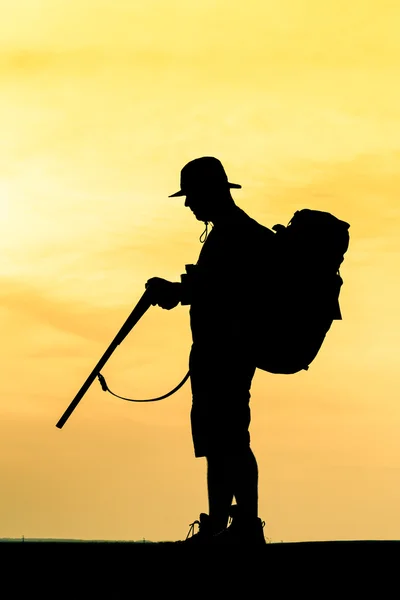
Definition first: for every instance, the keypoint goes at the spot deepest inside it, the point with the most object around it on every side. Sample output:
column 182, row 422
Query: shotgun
column 136, row 314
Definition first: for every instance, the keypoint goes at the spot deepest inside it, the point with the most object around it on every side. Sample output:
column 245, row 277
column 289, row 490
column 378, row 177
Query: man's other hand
column 166, row 294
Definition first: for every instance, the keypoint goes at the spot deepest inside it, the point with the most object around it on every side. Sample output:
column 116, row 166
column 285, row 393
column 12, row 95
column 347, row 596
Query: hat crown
column 204, row 172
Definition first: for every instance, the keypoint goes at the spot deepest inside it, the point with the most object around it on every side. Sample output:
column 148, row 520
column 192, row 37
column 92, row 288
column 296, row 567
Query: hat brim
column 236, row 186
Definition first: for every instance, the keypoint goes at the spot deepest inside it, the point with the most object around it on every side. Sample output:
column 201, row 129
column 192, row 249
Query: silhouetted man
column 218, row 290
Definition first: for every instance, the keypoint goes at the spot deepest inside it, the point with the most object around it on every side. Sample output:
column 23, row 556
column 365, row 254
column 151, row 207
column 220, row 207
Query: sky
column 102, row 104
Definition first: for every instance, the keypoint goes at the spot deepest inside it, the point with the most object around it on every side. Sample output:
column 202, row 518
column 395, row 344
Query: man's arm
column 188, row 283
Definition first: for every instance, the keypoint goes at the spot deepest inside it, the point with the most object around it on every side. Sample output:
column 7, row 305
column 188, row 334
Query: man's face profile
column 200, row 203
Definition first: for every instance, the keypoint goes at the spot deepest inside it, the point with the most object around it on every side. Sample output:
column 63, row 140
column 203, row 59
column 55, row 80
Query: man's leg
column 245, row 482
column 239, row 471
column 232, row 475
column 220, row 490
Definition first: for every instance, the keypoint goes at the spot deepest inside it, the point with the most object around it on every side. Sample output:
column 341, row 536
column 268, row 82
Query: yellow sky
column 102, row 103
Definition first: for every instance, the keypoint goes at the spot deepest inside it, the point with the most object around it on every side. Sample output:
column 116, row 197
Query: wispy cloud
column 76, row 318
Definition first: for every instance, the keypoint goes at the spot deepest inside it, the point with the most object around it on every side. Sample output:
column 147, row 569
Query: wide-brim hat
column 204, row 172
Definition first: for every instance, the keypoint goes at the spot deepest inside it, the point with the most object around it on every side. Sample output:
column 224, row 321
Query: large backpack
column 295, row 307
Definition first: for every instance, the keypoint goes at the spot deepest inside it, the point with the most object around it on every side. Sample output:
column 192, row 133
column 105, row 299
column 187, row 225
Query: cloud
column 25, row 301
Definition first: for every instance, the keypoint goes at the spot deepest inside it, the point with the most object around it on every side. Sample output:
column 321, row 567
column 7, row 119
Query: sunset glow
column 102, row 104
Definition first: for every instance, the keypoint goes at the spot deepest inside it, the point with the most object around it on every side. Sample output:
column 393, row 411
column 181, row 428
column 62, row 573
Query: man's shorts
column 220, row 416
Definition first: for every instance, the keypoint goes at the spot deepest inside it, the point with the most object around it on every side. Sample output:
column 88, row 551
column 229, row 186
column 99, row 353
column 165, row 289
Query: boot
column 241, row 529
column 204, row 534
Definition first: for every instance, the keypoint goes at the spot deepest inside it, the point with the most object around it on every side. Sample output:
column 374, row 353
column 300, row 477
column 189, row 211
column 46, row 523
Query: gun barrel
column 136, row 314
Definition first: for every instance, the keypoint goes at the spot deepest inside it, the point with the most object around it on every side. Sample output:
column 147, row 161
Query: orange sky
column 102, row 104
